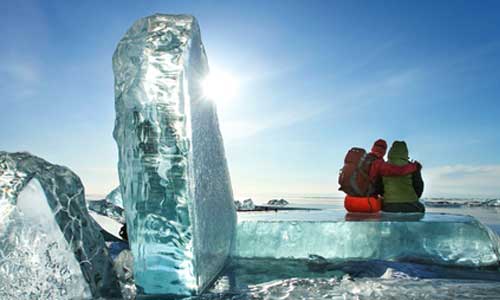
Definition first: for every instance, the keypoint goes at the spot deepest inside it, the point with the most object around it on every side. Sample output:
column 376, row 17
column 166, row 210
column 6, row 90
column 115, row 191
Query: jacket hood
column 398, row 152
column 379, row 148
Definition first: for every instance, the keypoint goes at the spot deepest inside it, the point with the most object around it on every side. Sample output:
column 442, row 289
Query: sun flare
column 220, row 86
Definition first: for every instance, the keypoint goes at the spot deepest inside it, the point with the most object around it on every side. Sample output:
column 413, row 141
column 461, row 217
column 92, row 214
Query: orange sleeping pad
column 362, row 204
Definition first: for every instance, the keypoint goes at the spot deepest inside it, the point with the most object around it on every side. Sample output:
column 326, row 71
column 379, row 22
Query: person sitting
column 401, row 193
column 378, row 168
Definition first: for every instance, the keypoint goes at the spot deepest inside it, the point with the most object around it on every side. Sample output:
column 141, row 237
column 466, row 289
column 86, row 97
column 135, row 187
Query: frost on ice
column 50, row 248
column 173, row 174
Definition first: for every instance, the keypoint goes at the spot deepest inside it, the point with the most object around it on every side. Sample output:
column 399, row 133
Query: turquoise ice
column 435, row 238
column 174, row 179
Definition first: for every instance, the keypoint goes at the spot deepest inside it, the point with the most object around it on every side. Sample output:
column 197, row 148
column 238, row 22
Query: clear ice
column 36, row 260
column 115, row 197
column 105, row 208
column 111, row 206
column 173, row 174
column 50, row 248
column 436, row 238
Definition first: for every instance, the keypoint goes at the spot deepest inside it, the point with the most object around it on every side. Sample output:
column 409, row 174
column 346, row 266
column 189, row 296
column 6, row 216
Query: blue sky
column 317, row 77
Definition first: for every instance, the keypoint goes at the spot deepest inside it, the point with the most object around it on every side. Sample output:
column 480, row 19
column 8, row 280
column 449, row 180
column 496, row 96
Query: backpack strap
column 359, row 169
column 371, row 189
column 366, row 159
column 354, row 184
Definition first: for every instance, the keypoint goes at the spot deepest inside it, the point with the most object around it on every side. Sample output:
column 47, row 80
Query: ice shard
column 437, row 238
column 111, row 206
column 50, row 247
column 124, row 266
column 173, row 173
column 115, row 197
column 105, row 208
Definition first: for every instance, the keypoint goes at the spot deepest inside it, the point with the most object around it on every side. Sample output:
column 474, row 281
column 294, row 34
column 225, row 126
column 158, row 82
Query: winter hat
column 399, row 150
column 379, row 147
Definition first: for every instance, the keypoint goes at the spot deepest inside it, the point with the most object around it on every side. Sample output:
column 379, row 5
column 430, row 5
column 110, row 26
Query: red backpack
column 354, row 177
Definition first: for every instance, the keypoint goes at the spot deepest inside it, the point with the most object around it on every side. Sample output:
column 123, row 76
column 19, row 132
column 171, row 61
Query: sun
column 220, row 86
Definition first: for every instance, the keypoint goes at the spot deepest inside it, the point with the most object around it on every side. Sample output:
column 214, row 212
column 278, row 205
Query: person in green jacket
column 401, row 193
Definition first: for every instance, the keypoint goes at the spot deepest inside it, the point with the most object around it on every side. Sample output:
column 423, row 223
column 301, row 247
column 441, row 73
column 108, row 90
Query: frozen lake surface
column 370, row 279
column 488, row 215
column 318, row 278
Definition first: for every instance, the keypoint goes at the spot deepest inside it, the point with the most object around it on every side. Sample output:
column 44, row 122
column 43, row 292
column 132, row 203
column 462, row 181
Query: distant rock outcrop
column 277, row 202
column 246, row 205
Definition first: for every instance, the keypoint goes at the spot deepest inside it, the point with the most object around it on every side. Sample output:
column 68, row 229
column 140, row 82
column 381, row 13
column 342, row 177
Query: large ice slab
column 174, row 179
column 49, row 245
column 438, row 238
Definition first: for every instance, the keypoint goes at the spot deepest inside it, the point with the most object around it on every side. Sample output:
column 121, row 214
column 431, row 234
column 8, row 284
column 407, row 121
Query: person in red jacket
column 378, row 168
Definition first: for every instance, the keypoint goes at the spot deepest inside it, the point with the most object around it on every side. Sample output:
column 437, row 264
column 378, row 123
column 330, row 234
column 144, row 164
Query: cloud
column 463, row 180
column 19, row 77
column 402, row 79
column 392, row 83
column 468, row 60
column 349, row 98
column 21, row 71
column 247, row 127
